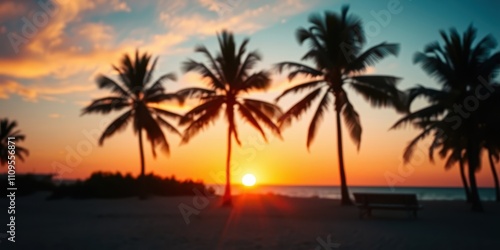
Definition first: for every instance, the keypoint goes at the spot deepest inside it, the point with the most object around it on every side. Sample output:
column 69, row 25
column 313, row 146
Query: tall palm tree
column 445, row 137
column 139, row 96
column 492, row 134
column 461, row 66
column 451, row 146
column 229, row 76
column 336, row 43
column 8, row 131
column 494, row 157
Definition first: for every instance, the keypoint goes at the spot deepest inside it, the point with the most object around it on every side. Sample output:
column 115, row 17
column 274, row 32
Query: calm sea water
column 333, row 192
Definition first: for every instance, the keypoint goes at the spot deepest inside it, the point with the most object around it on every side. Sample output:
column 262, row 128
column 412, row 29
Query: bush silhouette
column 106, row 185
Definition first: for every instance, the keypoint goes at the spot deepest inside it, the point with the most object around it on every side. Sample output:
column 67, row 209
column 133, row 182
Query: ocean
column 333, row 192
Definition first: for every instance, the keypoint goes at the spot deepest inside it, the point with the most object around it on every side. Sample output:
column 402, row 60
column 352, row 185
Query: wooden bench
column 366, row 202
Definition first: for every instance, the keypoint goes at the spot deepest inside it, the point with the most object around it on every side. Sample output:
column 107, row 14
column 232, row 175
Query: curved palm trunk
column 226, row 200
column 344, row 192
column 141, row 150
column 495, row 177
column 464, row 180
column 473, row 159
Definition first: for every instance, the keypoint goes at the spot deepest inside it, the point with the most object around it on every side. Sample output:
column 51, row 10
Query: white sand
column 256, row 222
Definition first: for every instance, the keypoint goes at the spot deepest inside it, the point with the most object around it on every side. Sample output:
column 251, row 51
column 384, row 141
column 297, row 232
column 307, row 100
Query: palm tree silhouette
column 452, row 145
column 137, row 94
column 455, row 155
column 493, row 156
column 8, row 129
column 336, row 43
column 229, row 76
column 461, row 67
column 491, row 133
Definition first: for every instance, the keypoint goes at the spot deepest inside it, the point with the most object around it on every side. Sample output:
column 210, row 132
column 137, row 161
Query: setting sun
column 248, row 180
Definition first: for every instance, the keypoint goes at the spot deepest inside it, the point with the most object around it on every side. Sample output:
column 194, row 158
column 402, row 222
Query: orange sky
column 45, row 82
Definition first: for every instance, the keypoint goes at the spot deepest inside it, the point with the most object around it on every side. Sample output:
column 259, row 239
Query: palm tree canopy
column 459, row 62
column 8, row 129
column 139, row 96
column 229, row 75
column 460, row 66
column 336, row 49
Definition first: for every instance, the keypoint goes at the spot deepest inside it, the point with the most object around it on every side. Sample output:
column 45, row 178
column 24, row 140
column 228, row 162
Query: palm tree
column 445, row 137
column 492, row 134
column 229, row 76
column 493, row 157
column 8, row 132
column 452, row 146
column 461, row 67
column 139, row 96
column 336, row 43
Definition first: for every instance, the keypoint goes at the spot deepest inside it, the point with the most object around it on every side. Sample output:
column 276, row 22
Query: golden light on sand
column 248, row 180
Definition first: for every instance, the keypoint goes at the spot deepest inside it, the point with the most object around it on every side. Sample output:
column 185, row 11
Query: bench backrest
column 381, row 198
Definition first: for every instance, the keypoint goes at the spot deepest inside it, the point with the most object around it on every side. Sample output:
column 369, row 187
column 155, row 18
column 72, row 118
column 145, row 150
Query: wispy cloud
column 74, row 44
column 33, row 93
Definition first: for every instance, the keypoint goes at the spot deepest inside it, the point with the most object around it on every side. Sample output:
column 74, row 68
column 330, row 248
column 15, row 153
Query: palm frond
column 318, row 116
column 422, row 114
column 117, row 125
column 104, row 82
column 376, row 97
column 299, row 108
column 199, row 93
column 353, row 123
column 201, row 109
column 213, row 64
column 106, row 105
column 168, row 126
column 269, row 109
column 372, row 56
column 411, row 146
column 149, row 73
column 143, row 120
column 209, row 115
column 249, row 63
column 205, row 72
column 297, row 68
column 301, row 87
column 257, row 81
column 163, row 97
column 247, row 116
column 263, row 114
column 452, row 159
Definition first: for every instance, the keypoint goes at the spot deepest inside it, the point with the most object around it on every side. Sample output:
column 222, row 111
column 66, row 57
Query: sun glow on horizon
column 249, row 180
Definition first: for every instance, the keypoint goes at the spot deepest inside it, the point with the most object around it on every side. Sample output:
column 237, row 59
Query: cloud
column 252, row 19
column 221, row 7
column 10, row 9
column 96, row 33
column 36, row 92
column 54, row 115
column 70, row 45
column 65, row 44
column 183, row 24
column 120, row 6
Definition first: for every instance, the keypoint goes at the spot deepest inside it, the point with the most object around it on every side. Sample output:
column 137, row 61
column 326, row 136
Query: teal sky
column 45, row 84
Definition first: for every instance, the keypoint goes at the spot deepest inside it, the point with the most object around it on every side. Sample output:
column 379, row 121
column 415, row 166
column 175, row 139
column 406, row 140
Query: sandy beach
column 255, row 222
